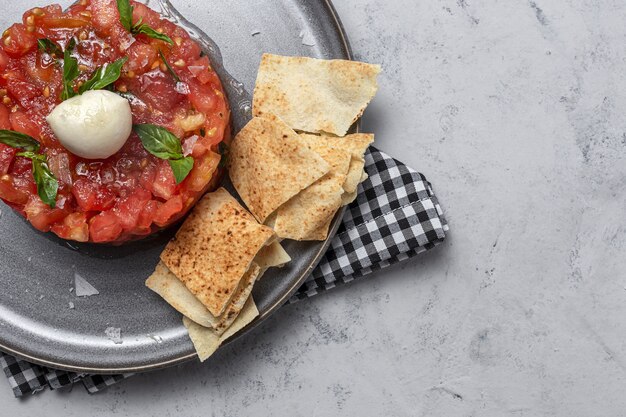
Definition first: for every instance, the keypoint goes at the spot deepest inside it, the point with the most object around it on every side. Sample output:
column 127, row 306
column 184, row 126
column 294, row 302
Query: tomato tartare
column 169, row 84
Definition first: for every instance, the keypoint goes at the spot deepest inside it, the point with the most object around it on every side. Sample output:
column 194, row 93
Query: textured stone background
column 516, row 111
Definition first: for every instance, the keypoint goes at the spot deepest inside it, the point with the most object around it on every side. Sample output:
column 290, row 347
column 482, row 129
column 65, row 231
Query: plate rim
column 257, row 321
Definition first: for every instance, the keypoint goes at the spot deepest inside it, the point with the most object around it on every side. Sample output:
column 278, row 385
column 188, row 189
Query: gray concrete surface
column 516, row 111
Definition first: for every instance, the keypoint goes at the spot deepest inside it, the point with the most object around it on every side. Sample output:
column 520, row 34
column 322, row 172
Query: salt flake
column 83, row 288
column 114, row 334
column 307, row 38
column 182, row 88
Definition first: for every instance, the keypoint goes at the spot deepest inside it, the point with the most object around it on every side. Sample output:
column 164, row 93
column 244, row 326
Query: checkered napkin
column 395, row 217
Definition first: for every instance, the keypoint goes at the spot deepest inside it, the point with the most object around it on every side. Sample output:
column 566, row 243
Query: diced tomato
column 10, row 192
column 24, row 92
column 105, row 227
column 216, row 132
column 56, row 23
column 17, row 41
column 143, row 13
column 202, row 172
column 202, row 97
column 166, row 212
column 146, row 179
column 4, row 60
column 39, row 71
column 105, row 16
column 92, row 197
column 6, row 158
column 141, row 56
column 200, row 69
column 73, row 227
column 60, row 166
column 159, row 92
column 42, row 216
column 39, row 13
column 5, row 122
column 164, row 185
column 129, row 209
column 147, row 215
column 22, row 123
column 188, row 51
column 22, row 166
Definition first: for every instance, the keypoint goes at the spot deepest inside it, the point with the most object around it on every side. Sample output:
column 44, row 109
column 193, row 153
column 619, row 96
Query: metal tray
column 37, row 270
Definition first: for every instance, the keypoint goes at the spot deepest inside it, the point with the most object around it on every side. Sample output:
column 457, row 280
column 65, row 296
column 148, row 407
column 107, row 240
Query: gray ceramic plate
column 37, row 270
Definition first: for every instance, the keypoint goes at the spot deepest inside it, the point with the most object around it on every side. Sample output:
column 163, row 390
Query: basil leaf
column 126, row 18
column 70, row 71
column 159, row 141
column 163, row 144
column 49, row 47
column 169, row 67
column 47, row 184
column 19, row 141
column 148, row 31
column 104, row 76
column 182, row 168
column 126, row 13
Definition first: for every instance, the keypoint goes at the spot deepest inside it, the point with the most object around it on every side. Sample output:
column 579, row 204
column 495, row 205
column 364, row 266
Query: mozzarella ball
column 93, row 125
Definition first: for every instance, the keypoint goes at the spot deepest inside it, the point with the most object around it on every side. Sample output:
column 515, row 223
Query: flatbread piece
column 206, row 342
column 214, row 249
column 356, row 144
column 314, row 95
column 308, row 215
column 269, row 164
column 176, row 294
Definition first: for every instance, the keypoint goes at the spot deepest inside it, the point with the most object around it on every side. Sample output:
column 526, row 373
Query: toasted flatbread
column 215, row 248
column 239, row 300
column 272, row 256
column 269, row 165
column 322, row 232
column 314, row 95
column 306, row 216
column 176, row 294
column 206, row 342
column 357, row 145
column 172, row 290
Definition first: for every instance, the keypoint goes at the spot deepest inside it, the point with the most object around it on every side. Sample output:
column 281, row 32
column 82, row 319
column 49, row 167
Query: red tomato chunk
column 132, row 194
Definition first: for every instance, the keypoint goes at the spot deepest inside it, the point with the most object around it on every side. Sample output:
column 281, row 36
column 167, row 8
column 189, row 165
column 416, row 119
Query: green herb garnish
column 169, row 67
column 70, row 71
column 49, row 47
column 19, row 140
column 148, row 31
column 181, row 168
column 104, row 76
column 163, row 144
column 47, row 184
column 126, row 17
column 126, row 13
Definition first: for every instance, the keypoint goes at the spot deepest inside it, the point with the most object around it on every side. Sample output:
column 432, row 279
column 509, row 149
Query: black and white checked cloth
column 395, row 217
